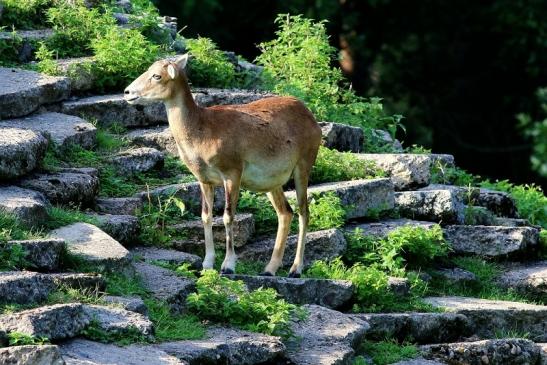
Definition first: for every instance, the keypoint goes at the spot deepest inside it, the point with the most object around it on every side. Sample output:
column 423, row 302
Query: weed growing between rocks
column 63, row 216
column 386, row 352
column 22, row 339
column 184, row 270
column 130, row 335
column 172, row 327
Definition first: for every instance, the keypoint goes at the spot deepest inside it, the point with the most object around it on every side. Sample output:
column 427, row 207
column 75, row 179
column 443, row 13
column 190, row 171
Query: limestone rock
column 498, row 202
column 491, row 241
column 244, row 228
column 342, row 137
column 31, row 355
column 511, row 222
column 133, row 304
column 382, row 139
column 138, row 160
column 56, row 322
column 158, row 137
column 359, row 197
column 467, row 194
column 117, row 320
column 122, row 206
column 227, row 346
column 29, row 206
column 327, row 293
column 321, row 245
column 85, row 352
column 64, row 187
column 93, row 245
column 456, row 275
column 529, row 278
column 21, row 151
column 423, row 328
column 41, row 254
column 513, row 351
column 398, row 286
column 419, row 361
column 79, row 71
column 63, row 130
column 382, row 228
column 442, row 206
column 123, row 228
column 489, row 317
column 23, row 91
column 165, row 285
column 327, row 337
column 150, row 254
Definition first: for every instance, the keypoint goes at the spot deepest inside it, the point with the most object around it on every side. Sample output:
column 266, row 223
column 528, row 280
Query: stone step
column 29, row 206
column 79, row 72
column 243, row 226
column 61, row 129
column 492, row 241
column 151, row 254
column 515, row 351
column 129, row 303
column 107, row 109
column 122, row 206
column 325, row 337
column 31, row 355
column 157, row 137
column 21, row 151
column 123, row 228
column 423, row 328
column 227, row 346
column 118, row 321
column 23, row 43
column 66, row 188
column 165, row 285
column 22, row 91
column 137, row 160
column 360, row 198
column 342, row 137
column 327, row 293
column 320, row 245
column 526, row 278
column 382, row 139
column 24, row 287
column 383, row 228
column 407, row 171
column 81, row 351
column 94, row 246
column 442, row 206
column 40, row 254
column 490, row 317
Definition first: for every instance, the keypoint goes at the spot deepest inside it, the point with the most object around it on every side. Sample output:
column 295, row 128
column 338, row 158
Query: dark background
column 458, row 70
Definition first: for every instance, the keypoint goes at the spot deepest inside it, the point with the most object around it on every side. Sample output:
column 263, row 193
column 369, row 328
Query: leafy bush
column 536, row 131
column 326, row 212
column 442, row 174
column 332, row 165
column 298, row 63
column 155, row 218
column 223, row 300
column 24, row 14
column 21, row 339
column 9, row 49
column 208, row 65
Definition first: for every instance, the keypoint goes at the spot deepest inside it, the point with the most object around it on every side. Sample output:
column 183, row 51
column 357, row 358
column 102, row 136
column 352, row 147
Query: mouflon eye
column 156, row 77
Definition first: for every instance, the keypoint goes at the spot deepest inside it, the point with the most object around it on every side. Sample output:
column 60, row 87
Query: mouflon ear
column 171, row 71
column 182, row 61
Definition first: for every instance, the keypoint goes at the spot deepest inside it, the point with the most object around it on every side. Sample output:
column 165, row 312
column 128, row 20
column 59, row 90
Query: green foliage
column 12, row 229
column 389, row 352
column 417, row 149
column 332, row 165
column 208, row 65
column 184, row 270
column 46, row 63
column 223, row 300
column 62, row 216
column 66, row 294
column 21, row 339
column 326, row 211
column 155, row 219
column 263, row 212
column 536, row 131
column 170, row 327
column 95, row 332
column 12, row 257
column 9, row 49
column 24, row 14
column 442, row 174
column 298, row 63
column 124, row 285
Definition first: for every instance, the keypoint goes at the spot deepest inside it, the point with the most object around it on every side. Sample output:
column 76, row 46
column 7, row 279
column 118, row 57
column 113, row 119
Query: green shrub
column 22, row 339
column 536, row 131
column 9, row 49
column 156, row 217
column 326, row 212
column 332, row 165
column 173, row 327
column 222, row 300
column 298, row 63
column 389, row 352
column 442, row 174
column 208, row 65
column 24, row 14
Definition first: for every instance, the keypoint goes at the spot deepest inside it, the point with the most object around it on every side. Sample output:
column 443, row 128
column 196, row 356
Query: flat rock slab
column 227, row 346
column 492, row 241
column 456, row 275
column 194, row 242
column 423, row 328
column 513, row 351
column 23, row 91
column 85, row 352
column 407, row 171
column 138, row 160
column 379, row 138
column 79, row 72
column 419, row 361
column 118, row 320
column 489, row 317
column 63, row 130
column 56, row 322
column 498, row 202
column 326, row 293
column 108, row 109
column 21, row 151
column 444, row 206
column 164, row 284
column 41, row 254
column 31, row 355
column 29, row 206
column 93, row 245
column 327, row 337
column 383, row 228
column 320, row 245
column 24, row 287
column 64, row 187
column 133, row 304
column 342, row 137
column 123, row 228
column 359, row 197
column 529, row 278
column 123, row 206
column 151, row 254
column 157, row 137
